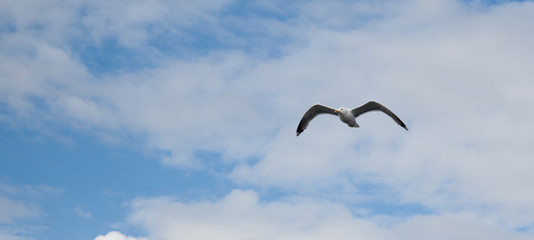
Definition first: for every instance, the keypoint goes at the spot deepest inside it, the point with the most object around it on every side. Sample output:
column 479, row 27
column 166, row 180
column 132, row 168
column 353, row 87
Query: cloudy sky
column 159, row 120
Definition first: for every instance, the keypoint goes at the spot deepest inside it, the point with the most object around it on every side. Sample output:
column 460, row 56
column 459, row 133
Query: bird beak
column 336, row 110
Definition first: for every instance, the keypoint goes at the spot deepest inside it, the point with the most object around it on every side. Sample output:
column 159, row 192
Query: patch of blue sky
column 491, row 3
column 495, row 2
column 248, row 9
column 380, row 200
column 365, row 200
column 376, row 198
column 4, row 110
column 95, row 178
column 7, row 24
column 109, row 57
column 227, row 35
column 526, row 229
column 6, row 27
column 231, row 32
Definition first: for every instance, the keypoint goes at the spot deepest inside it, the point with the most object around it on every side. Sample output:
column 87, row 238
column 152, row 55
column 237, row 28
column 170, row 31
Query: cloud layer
column 240, row 215
column 457, row 73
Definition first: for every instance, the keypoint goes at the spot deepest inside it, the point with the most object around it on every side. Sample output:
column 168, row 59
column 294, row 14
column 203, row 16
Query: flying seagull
column 346, row 115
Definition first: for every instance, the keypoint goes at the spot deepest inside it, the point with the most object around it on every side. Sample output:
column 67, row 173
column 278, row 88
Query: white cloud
column 458, row 226
column 241, row 215
column 114, row 235
column 19, row 205
column 11, row 210
column 461, row 86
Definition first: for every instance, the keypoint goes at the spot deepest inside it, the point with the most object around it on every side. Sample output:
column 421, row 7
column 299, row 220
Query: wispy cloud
column 82, row 213
column 11, row 210
column 18, row 205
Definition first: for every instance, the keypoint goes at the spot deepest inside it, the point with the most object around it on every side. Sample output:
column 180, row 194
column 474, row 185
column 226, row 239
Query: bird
column 346, row 115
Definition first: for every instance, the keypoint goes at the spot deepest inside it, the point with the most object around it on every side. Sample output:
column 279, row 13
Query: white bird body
column 346, row 115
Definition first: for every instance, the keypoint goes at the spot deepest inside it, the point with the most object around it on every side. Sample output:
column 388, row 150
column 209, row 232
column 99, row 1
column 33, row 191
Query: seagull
column 346, row 115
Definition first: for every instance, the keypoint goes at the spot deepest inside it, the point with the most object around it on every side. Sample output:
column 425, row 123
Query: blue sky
column 176, row 120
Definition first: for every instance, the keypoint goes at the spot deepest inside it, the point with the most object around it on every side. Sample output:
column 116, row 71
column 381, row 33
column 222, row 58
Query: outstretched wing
column 311, row 113
column 373, row 106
